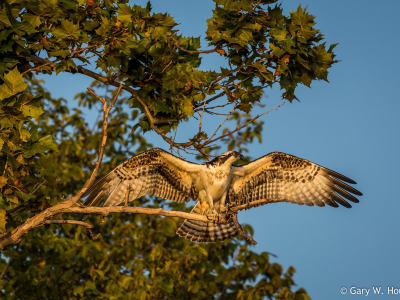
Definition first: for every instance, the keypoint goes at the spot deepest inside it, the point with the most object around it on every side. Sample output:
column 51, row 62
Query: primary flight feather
column 276, row 177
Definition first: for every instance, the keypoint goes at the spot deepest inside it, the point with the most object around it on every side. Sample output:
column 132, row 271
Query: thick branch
column 14, row 236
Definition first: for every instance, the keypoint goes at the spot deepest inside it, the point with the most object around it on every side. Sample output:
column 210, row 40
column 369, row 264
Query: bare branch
column 238, row 128
column 103, row 142
column 65, row 206
column 201, row 116
column 69, row 222
column 38, row 187
column 5, row 268
column 236, row 104
column 240, row 229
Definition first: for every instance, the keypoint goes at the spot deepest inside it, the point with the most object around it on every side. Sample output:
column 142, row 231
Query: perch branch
column 15, row 235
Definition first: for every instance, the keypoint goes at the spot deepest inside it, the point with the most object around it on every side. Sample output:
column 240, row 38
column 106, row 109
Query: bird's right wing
column 282, row 177
column 153, row 172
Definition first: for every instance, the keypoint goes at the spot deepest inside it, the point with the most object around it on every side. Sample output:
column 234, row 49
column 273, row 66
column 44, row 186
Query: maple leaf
column 13, row 84
column 285, row 58
column 90, row 2
column 220, row 50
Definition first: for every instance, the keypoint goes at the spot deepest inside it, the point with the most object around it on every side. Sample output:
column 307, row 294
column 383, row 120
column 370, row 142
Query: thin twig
column 106, row 111
column 36, row 68
column 240, row 229
column 5, row 167
column 236, row 104
column 35, row 189
column 5, row 268
column 69, row 222
column 238, row 128
column 201, row 117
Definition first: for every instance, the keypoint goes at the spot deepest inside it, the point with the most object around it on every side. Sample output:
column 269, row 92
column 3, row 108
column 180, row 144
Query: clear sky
column 348, row 125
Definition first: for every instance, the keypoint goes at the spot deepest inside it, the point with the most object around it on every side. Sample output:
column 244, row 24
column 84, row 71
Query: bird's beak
column 241, row 157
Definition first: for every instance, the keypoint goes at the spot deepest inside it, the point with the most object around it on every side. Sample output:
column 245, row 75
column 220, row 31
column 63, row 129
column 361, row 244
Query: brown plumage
column 276, row 176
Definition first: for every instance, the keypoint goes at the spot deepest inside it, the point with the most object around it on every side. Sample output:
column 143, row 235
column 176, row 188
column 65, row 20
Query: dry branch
column 65, row 206
column 238, row 128
column 240, row 229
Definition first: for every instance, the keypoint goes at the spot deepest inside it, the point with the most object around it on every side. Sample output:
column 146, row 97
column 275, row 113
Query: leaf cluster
column 142, row 49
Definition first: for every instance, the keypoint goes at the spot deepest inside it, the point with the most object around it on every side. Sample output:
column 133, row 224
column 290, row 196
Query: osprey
column 218, row 183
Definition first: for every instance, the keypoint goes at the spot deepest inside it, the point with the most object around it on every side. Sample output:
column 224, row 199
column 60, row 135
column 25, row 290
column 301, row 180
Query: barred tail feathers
column 206, row 232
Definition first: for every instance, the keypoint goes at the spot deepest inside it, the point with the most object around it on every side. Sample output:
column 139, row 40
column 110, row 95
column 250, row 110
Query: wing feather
column 153, row 172
column 296, row 180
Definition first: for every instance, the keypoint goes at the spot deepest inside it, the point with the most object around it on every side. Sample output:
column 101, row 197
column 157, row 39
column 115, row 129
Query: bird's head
column 226, row 158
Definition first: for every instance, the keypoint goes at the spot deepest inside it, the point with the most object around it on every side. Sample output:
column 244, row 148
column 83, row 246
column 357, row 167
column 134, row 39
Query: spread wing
column 282, row 177
column 154, row 172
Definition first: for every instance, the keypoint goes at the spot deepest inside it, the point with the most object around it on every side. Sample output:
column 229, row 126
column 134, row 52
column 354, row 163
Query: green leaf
column 24, row 196
column 67, row 30
column 31, row 110
column 13, row 84
column 41, row 146
column 13, row 199
column 62, row 53
column 27, row 27
column 3, row 181
column 4, row 21
column 7, row 47
column 1, row 144
column 176, row 77
column 125, row 13
column 165, row 286
column 3, row 202
column 3, row 220
column 34, row 20
column 161, row 106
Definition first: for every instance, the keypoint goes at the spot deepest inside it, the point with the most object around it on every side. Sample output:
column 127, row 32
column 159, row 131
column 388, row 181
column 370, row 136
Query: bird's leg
column 203, row 202
column 212, row 213
column 222, row 207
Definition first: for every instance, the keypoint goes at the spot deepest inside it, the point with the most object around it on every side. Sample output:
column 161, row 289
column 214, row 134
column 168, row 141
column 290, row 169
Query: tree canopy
column 47, row 148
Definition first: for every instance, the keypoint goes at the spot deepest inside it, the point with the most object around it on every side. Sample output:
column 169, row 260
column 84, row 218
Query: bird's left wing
column 282, row 177
column 153, row 172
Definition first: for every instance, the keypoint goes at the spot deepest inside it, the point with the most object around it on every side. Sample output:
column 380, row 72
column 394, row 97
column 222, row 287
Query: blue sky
column 348, row 125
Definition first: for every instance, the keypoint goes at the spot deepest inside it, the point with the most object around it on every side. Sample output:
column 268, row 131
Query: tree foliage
column 48, row 149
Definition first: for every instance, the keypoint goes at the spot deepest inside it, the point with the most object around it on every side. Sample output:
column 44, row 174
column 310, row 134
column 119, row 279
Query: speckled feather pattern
column 297, row 181
column 144, row 174
column 276, row 176
column 207, row 232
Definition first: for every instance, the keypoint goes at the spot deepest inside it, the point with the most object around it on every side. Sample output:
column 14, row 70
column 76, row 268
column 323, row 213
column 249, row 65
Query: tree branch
column 238, row 128
column 14, row 236
column 5, row 268
column 240, row 229
column 106, row 111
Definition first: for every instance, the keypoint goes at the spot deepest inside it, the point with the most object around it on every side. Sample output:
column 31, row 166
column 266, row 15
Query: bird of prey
column 217, row 184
